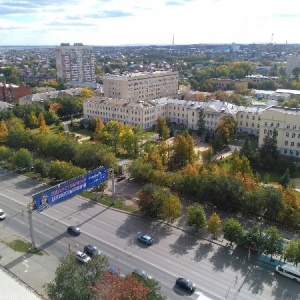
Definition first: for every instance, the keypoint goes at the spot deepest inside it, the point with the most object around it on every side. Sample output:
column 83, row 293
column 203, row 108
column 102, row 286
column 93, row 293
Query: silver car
column 2, row 215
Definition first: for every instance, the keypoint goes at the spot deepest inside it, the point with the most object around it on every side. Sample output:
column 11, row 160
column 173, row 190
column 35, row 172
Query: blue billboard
column 68, row 189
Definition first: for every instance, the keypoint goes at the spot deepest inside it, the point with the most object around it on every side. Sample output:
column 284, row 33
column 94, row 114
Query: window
column 253, row 117
column 297, row 153
column 287, row 134
column 242, row 116
column 265, row 131
column 298, row 145
column 291, row 152
column 286, row 143
column 266, row 123
column 246, row 124
column 241, row 123
column 292, row 144
column 293, row 135
column 277, row 124
column 252, row 124
column 247, row 117
column 285, row 151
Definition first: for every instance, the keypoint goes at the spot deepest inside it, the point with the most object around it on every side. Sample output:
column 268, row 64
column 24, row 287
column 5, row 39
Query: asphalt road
column 218, row 272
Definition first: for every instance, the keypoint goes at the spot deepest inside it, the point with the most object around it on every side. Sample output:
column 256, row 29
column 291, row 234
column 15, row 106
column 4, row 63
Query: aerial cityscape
column 149, row 150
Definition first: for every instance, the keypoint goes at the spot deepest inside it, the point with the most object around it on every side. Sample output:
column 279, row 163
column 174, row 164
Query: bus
column 289, row 271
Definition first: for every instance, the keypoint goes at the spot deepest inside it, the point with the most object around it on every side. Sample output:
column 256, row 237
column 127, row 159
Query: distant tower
column 173, row 40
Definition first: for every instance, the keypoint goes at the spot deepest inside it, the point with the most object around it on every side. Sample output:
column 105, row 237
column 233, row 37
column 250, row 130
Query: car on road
column 2, row 215
column 73, row 230
column 145, row 239
column 141, row 274
column 185, row 284
column 91, row 250
column 82, row 257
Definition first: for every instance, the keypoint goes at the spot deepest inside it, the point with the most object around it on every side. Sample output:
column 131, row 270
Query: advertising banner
column 68, row 189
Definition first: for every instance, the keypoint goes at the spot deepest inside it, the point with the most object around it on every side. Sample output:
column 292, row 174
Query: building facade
column 292, row 62
column 75, row 63
column 286, row 121
column 12, row 93
column 141, row 86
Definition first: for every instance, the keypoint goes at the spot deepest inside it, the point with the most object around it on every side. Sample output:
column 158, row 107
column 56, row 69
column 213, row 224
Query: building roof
column 286, row 110
column 296, row 92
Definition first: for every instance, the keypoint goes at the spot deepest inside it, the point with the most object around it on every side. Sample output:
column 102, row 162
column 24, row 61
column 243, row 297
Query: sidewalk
column 24, row 273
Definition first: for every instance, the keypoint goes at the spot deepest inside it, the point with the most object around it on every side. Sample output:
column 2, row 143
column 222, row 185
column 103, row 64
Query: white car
column 82, row 257
column 2, row 215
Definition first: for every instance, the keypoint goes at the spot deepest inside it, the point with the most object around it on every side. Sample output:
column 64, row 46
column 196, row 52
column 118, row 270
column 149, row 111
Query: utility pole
column 113, row 186
column 29, row 206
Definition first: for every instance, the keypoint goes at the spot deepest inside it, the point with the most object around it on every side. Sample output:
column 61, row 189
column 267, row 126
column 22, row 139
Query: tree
column 296, row 73
column 22, row 159
column 40, row 167
column 182, row 151
column 201, row 123
column 225, row 131
column 233, row 231
column 161, row 128
column 73, row 281
column 285, row 180
column 196, row 216
column 268, row 152
column 291, row 251
column 112, row 287
column 252, row 238
column 110, row 134
column 272, row 241
column 240, row 165
column 171, row 208
column 214, row 224
column 98, row 126
column 43, row 127
column 3, row 131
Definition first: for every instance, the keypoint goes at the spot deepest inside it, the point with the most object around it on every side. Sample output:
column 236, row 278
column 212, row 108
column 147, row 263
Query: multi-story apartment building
column 286, row 121
column 223, row 83
column 75, row 63
column 292, row 62
column 141, row 85
column 261, row 78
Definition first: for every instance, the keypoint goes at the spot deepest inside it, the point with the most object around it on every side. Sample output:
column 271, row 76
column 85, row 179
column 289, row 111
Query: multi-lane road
column 218, row 272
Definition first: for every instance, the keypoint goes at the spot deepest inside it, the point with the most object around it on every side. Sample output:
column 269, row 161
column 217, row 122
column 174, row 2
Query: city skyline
column 116, row 22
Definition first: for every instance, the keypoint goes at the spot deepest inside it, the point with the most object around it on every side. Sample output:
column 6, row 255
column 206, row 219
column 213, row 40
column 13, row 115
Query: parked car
column 82, row 257
column 116, row 272
column 145, row 239
column 73, row 230
column 2, row 215
column 141, row 273
column 91, row 250
column 121, row 177
column 185, row 284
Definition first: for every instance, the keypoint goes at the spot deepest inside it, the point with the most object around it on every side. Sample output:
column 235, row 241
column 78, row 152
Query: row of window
column 253, row 117
column 286, row 143
column 291, row 152
column 253, row 125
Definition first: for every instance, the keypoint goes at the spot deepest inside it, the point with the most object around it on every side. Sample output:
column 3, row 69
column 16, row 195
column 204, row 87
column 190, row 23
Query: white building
column 141, row 86
column 75, row 63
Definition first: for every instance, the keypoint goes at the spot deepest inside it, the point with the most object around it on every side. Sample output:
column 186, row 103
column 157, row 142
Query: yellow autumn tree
column 214, row 224
column 43, row 127
column 291, row 206
column 98, row 127
column 3, row 131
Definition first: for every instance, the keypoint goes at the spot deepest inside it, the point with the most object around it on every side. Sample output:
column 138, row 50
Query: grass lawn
column 108, row 201
column 21, row 246
column 53, row 130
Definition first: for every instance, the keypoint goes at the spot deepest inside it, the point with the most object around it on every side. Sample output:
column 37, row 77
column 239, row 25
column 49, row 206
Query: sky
column 148, row 22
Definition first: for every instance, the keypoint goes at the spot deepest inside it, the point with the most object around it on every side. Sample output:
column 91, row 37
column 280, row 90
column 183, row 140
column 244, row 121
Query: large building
column 12, row 93
column 141, row 86
column 75, row 63
column 286, row 121
column 292, row 62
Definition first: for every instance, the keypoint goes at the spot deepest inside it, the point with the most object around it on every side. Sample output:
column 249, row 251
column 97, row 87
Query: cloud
column 287, row 16
column 109, row 14
column 174, row 3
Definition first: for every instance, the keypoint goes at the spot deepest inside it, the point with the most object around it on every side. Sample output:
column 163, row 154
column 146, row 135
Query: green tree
column 171, row 208
column 5, row 153
column 214, row 224
column 291, row 251
column 252, row 238
column 285, row 180
column 73, row 281
column 201, row 123
column 140, row 170
column 22, row 159
column 296, row 73
column 196, row 216
column 40, row 167
column 224, row 132
column 233, row 231
column 3, row 131
column 272, row 241
column 268, row 151
column 161, row 128
column 110, row 134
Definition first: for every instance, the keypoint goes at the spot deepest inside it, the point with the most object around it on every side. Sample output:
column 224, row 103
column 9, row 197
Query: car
column 141, row 274
column 121, row 177
column 2, row 215
column 186, row 284
column 145, row 239
column 82, row 257
column 116, row 272
column 91, row 250
column 73, row 230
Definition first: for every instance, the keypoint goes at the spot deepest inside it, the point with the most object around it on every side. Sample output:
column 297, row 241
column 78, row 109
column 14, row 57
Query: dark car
column 91, row 250
column 185, row 284
column 145, row 239
column 73, row 230
column 121, row 177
